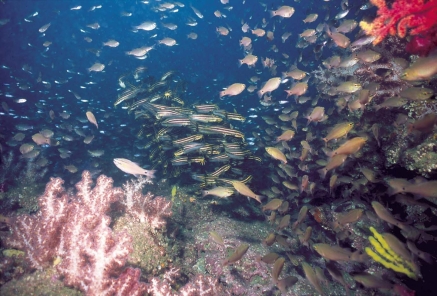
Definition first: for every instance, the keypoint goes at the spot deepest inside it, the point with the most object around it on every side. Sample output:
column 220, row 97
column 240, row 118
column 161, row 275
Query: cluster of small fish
column 353, row 79
column 388, row 82
column 189, row 140
column 31, row 144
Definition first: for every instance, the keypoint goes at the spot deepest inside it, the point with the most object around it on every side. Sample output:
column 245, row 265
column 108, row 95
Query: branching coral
column 417, row 15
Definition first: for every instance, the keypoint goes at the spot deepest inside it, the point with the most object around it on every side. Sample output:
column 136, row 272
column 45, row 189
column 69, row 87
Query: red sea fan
column 423, row 44
column 415, row 17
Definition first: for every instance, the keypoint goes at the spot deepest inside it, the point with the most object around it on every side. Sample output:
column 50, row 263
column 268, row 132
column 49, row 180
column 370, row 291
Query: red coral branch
column 417, row 16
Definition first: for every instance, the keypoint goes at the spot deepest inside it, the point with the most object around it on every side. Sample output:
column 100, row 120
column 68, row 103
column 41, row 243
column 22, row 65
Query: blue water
column 207, row 64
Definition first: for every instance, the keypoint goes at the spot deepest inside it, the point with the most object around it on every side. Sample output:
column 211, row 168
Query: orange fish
column 237, row 255
column 271, row 85
column 316, row 115
column 338, row 131
column 92, row 118
column 304, row 183
column 298, row 89
column 286, row 136
column 333, row 163
column 427, row 189
column 339, row 39
column 424, row 124
column 283, row 11
column 350, row 147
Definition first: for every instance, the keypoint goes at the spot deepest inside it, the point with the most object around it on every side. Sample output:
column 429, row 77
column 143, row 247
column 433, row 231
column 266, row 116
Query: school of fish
column 326, row 135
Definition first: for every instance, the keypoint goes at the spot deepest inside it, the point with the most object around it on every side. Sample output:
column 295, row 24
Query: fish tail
column 322, row 173
column 150, row 174
column 259, row 198
column 327, row 29
column 260, row 94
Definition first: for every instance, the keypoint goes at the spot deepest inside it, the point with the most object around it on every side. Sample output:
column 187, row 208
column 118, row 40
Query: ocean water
column 37, row 77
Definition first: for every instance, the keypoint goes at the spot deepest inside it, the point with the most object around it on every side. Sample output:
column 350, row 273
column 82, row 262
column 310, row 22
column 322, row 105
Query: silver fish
column 131, row 167
column 341, row 14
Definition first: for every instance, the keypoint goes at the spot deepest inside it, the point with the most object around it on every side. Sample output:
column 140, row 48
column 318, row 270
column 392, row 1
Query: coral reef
column 20, row 179
column 41, row 282
column 422, row 158
column 75, row 231
column 146, row 209
column 418, row 16
column 149, row 248
column 70, row 240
